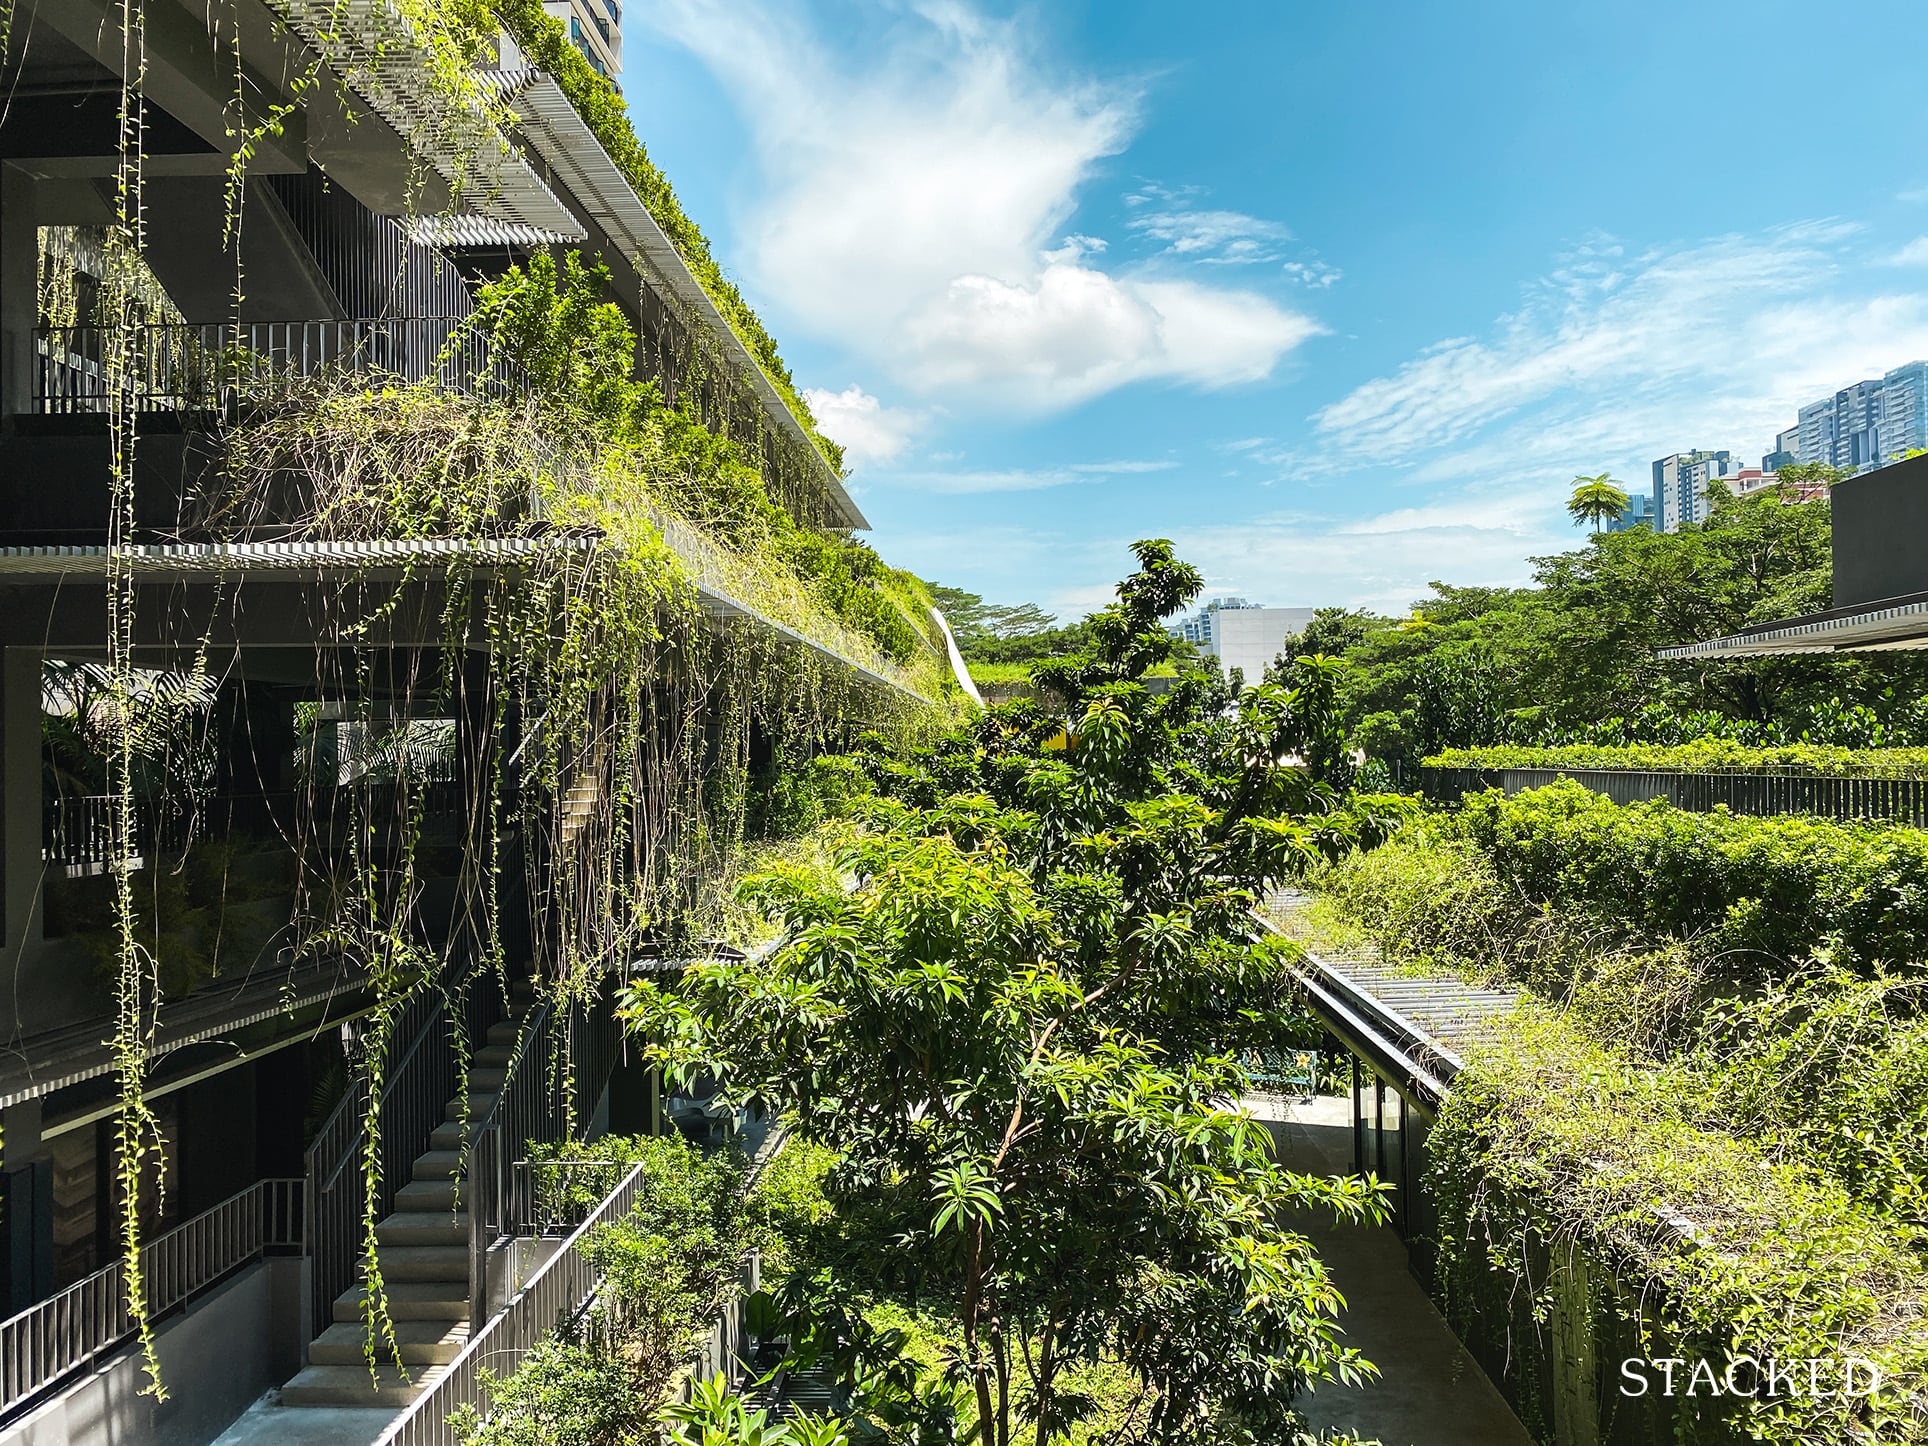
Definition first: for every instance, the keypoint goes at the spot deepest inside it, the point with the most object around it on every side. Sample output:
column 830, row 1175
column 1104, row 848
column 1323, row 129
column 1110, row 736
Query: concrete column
column 20, row 805
column 1576, row 1393
column 19, row 290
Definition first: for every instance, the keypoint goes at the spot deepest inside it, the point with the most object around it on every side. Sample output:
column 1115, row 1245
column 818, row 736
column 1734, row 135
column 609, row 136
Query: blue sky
column 1338, row 296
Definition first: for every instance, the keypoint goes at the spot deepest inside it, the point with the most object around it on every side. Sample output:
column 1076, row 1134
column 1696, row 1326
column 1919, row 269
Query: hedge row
column 1779, row 887
column 1705, row 755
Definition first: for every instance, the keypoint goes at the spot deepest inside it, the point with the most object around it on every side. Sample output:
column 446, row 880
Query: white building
column 1863, row 426
column 1250, row 638
column 1680, row 486
column 596, row 29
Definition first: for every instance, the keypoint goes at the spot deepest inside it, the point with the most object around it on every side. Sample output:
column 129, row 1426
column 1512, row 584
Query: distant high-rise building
column 1787, row 450
column 1680, row 486
column 1904, row 410
column 1815, row 428
column 1639, row 513
column 1250, row 638
column 1202, row 626
column 1860, row 427
column 595, row 28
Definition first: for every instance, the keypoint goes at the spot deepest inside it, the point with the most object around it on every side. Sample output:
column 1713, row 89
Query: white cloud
column 867, row 430
column 1915, row 253
column 1383, row 562
column 1023, row 479
column 1010, row 479
column 1221, row 237
column 1313, row 273
column 1122, row 468
column 1618, row 358
column 916, row 203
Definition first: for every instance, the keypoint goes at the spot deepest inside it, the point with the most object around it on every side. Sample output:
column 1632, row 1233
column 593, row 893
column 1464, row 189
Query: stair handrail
column 530, row 1105
column 413, row 1100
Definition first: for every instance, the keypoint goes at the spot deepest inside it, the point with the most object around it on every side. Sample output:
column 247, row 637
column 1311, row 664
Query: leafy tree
column 1597, row 500
column 1020, row 1024
column 972, row 619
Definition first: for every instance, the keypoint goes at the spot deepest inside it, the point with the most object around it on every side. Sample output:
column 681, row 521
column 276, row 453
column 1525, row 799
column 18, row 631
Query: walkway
column 1430, row 1392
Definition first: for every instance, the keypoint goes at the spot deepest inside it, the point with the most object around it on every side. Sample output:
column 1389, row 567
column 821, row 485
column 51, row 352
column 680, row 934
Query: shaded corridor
column 1431, row 1392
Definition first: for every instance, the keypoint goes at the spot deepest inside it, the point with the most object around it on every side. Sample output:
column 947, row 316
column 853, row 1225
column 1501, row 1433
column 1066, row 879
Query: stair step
column 423, row 1227
column 478, row 1106
column 418, row 1342
column 493, row 1056
column 425, row 1300
column 507, row 1032
column 440, row 1195
column 425, row 1262
column 485, row 1077
column 437, row 1165
column 446, row 1138
column 351, row 1386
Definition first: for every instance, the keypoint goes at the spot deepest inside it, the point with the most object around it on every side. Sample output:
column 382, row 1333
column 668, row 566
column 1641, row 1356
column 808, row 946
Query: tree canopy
column 1017, row 1010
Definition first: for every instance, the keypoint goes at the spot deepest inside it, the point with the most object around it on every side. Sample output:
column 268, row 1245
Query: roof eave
column 550, row 123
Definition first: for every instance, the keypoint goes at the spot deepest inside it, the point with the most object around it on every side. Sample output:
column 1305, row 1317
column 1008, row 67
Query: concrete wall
column 1250, row 638
column 1881, row 534
column 217, row 1358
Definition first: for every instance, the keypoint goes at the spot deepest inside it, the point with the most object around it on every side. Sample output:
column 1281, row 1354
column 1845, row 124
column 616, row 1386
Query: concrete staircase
column 423, row 1247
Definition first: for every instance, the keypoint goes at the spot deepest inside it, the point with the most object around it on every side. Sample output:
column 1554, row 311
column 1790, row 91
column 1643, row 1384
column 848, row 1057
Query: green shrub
column 1702, row 755
column 1758, row 893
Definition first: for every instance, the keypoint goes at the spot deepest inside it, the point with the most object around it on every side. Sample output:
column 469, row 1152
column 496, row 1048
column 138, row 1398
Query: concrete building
column 1639, row 513
column 1680, row 486
column 1787, row 450
column 354, row 702
column 595, row 28
column 1904, row 411
column 1860, row 427
column 1201, row 627
column 1250, row 638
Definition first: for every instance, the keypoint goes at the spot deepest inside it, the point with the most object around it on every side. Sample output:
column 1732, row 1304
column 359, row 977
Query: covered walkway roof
column 1891, row 625
column 1407, row 1024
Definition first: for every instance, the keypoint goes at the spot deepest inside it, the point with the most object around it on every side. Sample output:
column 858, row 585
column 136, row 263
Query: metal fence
column 1900, row 800
column 558, row 1290
column 46, row 1343
column 205, row 368
column 560, row 1064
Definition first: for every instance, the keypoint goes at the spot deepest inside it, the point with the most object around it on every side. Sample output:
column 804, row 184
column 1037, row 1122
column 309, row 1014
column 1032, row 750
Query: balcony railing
column 208, row 368
column 47, row 1343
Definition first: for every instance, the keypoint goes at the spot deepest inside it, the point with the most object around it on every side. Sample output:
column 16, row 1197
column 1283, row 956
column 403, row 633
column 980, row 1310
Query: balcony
column 185, row 369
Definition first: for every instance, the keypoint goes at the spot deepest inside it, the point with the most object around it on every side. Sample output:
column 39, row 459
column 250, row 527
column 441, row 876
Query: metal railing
column 536, row 1101
column 559, row 1290
column 1761, row 794
column 46, row 1343
column 420, row 1079
column 183, row 367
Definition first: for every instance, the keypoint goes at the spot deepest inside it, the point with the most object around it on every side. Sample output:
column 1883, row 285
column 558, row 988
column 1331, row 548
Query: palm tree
column 1597, row 500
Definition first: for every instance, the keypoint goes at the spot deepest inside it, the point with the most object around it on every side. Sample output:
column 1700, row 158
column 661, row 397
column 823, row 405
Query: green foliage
column 668, row 1268
column 1832, row 1069
column 1012, row 1030
column 1702, row 755
column 578, row 352
column 1759, row 893
column 1577, row 649
column 974, row 621
column 545, row 41
column 564, row 1393
column 1548, row 1140
column 1597, row 500
column 714, row 1416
